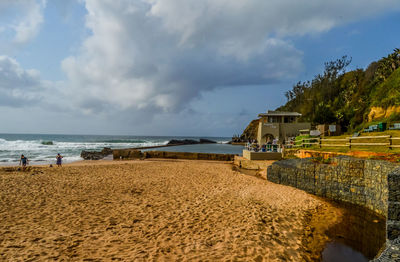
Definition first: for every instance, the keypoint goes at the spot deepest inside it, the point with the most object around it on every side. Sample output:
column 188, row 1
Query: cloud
column 21, row 19
column 157, row 55
column 20, row 87
column 150, row 59
column 132, row 61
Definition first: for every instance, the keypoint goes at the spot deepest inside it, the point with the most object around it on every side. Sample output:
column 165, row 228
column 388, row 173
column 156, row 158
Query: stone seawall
column 359, row 181
column 373, row 184
column 124, row 154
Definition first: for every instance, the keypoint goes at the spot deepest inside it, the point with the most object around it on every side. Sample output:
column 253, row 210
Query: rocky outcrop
column 249, row 133
column 95, row 155
column 120, row 154
column 107, row 151
column 380, row 113
column 182, row 142
column 206, row 141
column 175, row 142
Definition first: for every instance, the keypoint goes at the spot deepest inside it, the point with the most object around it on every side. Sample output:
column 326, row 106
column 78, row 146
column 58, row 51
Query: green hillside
column 388, row 93
column 352, row 98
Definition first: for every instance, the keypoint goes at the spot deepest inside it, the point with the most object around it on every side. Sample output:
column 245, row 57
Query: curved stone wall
column 373, row 184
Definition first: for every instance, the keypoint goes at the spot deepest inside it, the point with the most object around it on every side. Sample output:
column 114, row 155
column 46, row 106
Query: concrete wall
column 250, row 155
column 267, row 128
column 123, row 154
column 292, row 129
column 281, row 130
column 373, row 184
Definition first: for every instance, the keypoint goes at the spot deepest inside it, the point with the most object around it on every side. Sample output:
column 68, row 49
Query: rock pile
column 95, row 155
column 176, row 142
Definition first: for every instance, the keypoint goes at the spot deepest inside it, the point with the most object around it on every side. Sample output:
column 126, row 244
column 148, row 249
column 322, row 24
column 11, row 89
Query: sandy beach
column 164, row 210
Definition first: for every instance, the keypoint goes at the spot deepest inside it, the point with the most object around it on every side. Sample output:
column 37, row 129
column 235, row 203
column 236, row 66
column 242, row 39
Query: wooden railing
column 385, row 141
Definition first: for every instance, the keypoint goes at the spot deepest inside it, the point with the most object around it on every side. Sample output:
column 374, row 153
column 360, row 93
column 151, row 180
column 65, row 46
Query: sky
column 173, row 67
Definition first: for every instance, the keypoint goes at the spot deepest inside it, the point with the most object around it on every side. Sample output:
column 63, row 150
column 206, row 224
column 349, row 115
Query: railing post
column 350, row 143
column 320, row 143
column 390, row 141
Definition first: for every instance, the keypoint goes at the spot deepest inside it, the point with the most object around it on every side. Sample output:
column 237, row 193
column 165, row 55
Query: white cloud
column 151, row 58
column 132, row 61
column 20, row 87
column 246, row 23
column 21, row 19
column 160, row 54
column 28, row 27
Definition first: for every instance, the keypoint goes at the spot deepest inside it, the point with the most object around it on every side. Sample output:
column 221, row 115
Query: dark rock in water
column 183, row 142
column 88, row 155
column 47, row 143
column 190, row 142
column 206, row 141
column 107, row 151
column 93, row 155
column 120, row 154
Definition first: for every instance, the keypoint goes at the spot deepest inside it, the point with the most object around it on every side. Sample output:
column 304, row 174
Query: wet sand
column 155, row 210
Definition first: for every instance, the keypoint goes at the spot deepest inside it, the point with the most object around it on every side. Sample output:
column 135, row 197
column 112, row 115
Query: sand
column 154, row 210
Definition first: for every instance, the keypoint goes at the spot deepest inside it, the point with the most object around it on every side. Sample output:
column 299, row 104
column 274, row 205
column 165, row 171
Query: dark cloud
column 146, row 61
column 161, row 54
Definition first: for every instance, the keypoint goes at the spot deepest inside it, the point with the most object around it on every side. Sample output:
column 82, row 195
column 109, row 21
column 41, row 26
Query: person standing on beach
column 59, row 159
column 23, row 162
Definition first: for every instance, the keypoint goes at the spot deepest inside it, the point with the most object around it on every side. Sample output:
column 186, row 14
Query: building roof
column 279, row 113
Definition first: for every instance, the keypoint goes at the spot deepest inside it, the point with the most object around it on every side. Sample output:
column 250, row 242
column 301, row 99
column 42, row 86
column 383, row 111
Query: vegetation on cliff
column 348, row 98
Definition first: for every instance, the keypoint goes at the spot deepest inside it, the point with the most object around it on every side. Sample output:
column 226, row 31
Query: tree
column 324, row 115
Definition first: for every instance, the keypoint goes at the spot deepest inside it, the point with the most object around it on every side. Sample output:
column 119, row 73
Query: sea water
column 42, row 149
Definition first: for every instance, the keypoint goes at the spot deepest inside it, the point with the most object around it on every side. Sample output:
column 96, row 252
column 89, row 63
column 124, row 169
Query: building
column 330, row 130
column 279, row 125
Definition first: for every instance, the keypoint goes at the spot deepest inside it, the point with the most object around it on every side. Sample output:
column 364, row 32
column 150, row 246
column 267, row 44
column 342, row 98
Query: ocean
column 42, row 149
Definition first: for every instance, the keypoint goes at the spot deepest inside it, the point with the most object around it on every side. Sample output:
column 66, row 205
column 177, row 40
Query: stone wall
column 393, row 219
column 373, row 184
column 244, row 163
column 124, row 154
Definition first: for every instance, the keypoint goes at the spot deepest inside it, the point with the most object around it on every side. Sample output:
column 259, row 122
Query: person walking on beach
column 59, row 159
column 23, row 162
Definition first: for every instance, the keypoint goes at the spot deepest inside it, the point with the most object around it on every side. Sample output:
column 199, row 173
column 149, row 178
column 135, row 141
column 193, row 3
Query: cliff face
column 381, row 113
column 251, row 131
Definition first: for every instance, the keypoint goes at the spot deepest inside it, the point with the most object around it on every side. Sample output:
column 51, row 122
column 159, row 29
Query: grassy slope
column 388, row 92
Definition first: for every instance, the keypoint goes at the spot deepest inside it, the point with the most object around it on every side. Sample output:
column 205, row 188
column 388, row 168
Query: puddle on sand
column 336, row 251
column 342, row 232
column 359, row 236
